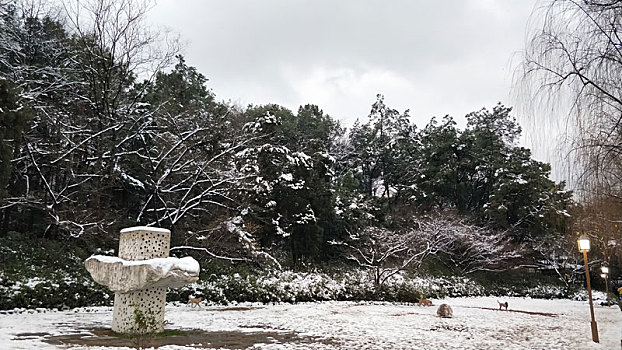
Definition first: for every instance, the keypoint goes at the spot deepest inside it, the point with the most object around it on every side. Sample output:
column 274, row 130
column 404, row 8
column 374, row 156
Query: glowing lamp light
column 584, row 243
column 603, row 275
column 604, row 270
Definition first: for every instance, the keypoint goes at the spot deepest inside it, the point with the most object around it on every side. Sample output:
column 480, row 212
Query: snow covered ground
column 477, row 324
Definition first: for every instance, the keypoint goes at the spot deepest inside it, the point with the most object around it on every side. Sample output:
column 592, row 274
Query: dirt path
column 548, row 314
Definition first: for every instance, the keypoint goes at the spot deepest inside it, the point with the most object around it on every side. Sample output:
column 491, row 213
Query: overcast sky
column 432, row 57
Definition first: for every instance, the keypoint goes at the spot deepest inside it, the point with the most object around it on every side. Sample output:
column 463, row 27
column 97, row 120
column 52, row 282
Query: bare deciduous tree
column 385, row 253
column 573, row 62
column 443, row 236
column 76, row 70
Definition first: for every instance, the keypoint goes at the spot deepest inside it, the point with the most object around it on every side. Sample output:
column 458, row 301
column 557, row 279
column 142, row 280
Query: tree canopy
column 92, row 141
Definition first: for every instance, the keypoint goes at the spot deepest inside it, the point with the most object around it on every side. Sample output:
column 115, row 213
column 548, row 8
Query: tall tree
column 76, row 72
column 431, row 180
column 36, row 60
column 310, row 128
column 486, row 148
column 294, row 192
column 389, row 127
column 375, row 148
column 575, row 56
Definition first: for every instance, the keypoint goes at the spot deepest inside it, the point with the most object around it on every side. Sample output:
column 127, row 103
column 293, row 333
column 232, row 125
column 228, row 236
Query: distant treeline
column 87, row 148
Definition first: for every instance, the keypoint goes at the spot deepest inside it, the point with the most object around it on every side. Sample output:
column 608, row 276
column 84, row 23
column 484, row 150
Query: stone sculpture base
column 140, row 243
column 129, row 307
column 139, row 276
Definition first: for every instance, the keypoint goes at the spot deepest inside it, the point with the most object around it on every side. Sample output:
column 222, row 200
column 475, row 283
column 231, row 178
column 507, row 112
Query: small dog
column 425, row 302
column 194, row 301
column 505, row 305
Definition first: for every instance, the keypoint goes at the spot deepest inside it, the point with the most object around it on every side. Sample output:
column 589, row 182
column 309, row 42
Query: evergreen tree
column 432, row 178
column 377, row 149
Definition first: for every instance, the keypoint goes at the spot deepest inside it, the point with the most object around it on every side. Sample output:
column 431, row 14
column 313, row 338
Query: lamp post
column 605, row 274
column 584, row 247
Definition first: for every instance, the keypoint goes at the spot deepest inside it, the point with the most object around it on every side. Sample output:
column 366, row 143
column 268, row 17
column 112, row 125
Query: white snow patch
column 477, row 324
column 145, row 228
column 287, row 177
column 133, row 181
column 163, row 264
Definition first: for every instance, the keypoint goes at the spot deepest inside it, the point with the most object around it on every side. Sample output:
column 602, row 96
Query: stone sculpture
column 140, row 276
column 445, row 311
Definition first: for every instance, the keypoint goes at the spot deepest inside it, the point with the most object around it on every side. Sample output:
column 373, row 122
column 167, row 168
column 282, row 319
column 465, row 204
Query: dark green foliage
column 294, row 168
column 310, row 130
column 379, row 149
column 432, row 179
column 362, row 158
column 145, row 321
column 180, row 92
column 520, row 283
column 37, row 272
column 508, row 187
column 480, row 171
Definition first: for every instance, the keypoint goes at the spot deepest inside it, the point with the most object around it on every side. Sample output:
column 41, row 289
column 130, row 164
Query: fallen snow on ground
column 477, row 324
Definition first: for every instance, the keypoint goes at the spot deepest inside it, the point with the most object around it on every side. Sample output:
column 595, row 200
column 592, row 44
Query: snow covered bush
column 291, row 287
column 54, row 277
column 36, row 272
column 355, row 285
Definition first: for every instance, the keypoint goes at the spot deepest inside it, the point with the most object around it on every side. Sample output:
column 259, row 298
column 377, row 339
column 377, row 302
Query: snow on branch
column 210, row 253
column 231, row 238
column 448, row 239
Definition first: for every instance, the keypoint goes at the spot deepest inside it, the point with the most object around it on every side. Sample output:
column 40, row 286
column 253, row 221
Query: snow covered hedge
column 291, row 287
column 44, row 273
column 38, row 273
column 284, row 286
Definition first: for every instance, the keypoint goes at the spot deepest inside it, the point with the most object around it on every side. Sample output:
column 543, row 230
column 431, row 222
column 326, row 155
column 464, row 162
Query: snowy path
column 342, row 325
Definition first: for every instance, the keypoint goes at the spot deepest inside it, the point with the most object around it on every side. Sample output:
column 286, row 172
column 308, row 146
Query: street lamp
column 584, row 247
column 605, row 274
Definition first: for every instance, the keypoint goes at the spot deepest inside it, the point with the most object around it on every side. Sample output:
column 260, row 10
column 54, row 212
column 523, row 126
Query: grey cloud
column 245, row 46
